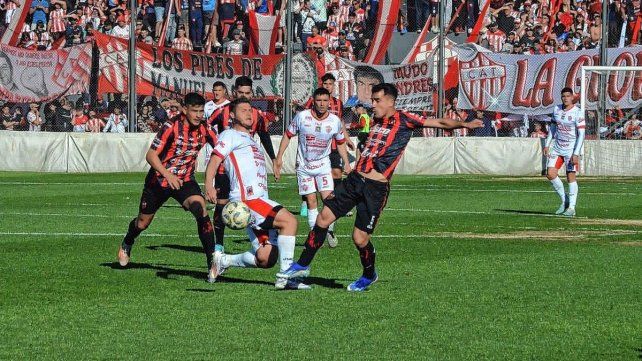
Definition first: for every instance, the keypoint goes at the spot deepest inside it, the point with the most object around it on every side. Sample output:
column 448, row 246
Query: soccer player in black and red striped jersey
column 172, row 157
column 367, row 187
column 220, row 121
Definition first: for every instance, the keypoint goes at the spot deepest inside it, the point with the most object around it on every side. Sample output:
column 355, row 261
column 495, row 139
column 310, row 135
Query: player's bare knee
column 325, row 218
column 285, row 222
column 311, row 201
column 360, row 238
column 551, row 174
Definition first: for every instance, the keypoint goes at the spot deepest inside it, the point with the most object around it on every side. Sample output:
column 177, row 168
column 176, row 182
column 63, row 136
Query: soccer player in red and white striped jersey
column 172, row 157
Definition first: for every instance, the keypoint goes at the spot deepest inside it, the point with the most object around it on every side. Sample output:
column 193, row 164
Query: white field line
column 84, row 215
column 478, row 212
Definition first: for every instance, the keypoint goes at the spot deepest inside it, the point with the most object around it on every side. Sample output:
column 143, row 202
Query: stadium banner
column 413, row 81
column 171, row 72
column 387, row 15
column 263, row 33
column 39, row 76
column 532, row 83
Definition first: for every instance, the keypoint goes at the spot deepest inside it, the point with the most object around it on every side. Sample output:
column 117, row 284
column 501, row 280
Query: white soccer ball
column 236, row 215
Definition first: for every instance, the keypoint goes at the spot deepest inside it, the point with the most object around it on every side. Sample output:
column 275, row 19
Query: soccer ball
column 236, row 215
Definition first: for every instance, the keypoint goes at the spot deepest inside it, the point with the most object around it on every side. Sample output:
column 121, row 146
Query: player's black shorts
column 222, row 185
column 369, row 196
column 154, row 196
column 362, row 141
column 335, row 159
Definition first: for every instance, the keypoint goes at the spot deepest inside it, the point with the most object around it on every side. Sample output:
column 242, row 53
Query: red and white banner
column 39, row 76
column 263, row 33
column 386, row 21
column 13, row 31
column 171, row 72
column 532, row 83
column 415, row 82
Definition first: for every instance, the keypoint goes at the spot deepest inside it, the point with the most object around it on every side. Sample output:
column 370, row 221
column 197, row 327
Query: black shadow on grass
column 520, row 211
column 199, row 290
column 178, row 247
column 323, row 282
column 639, row 351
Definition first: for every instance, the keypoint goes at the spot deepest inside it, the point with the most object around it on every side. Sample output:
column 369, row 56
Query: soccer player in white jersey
column 563, row 148
column 220, row 100
column 316, row 129
column 244, row 164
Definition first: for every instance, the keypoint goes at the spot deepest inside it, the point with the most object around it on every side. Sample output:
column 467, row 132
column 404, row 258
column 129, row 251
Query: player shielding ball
column 317, row 130
column 172, row 157
column 563, row 147
column 367, row 187
column 244, row 165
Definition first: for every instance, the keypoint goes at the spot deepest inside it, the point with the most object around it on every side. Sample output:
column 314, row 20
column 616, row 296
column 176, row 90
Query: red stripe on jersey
column 289, row 134
column 391, row 138
column 238, row 175
column 261, row 207
column 218, row 154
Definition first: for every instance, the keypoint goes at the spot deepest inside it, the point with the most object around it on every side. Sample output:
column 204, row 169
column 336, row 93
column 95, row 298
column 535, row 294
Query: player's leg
column 324, row 182
column 151, row 200
column 375, row 197
column 307, row 190
column 222, row 182
column 336, row 205
column 336, row 164
column 573, row 188
column 553, row 165
column 287, row 225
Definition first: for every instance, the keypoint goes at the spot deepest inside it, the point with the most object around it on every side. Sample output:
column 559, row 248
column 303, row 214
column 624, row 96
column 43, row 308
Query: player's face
column 382, row 104
column 567, row 99
column 329, row 85
column 219, row 93
column 321, row 103
column 243, row 115
column 194, row 114
column 364, row 88
column 244, row 92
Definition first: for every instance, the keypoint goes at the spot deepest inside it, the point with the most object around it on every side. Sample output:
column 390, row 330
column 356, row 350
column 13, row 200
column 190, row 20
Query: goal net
column 611, row 99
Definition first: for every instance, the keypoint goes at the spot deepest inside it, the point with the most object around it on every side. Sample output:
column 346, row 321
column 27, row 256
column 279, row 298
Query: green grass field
column 470, row 268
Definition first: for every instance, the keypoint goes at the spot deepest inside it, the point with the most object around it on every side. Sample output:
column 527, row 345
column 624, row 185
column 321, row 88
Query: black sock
column 367, row 255
column 315, row 240
column 219, row 226
column 206, row 235
column 132, row 233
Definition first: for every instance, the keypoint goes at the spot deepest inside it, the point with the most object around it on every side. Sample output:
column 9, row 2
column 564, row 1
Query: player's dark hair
column 320, row 91
column 218, row 84
column 365, row 71
column 239, row 101
column 388, row 89
column 193, row 99
column 328, row 76
column 242, row 81
column 566, row 90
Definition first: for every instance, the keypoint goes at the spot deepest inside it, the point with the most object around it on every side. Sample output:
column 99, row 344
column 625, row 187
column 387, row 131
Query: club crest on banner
column 482, row 80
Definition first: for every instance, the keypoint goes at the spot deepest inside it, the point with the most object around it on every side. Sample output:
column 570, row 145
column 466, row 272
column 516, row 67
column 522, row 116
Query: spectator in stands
column 117, row 122
column 94, row 124
column 38, row 11
column 41, row 37
column 121, row 30
column 9, row 121
column 308, row 23
column 488, row 130
column 144, row 36
column 34, row 118
column 160, row 113
column 538, row 131
column 196, row 22
column 236, row 45
column 79, row 120
column 632, row 129
column 315, row 39
column 182, row 42
column 62, row 121
column 496, row 38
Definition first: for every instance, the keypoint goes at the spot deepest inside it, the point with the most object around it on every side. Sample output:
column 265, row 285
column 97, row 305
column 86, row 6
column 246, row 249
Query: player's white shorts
column 315, row 180
column 263, row 212
column 556, row 160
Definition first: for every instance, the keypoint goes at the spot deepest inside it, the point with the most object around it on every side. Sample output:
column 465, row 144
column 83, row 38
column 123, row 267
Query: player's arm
column 446, row 123
column 210, row 174
column 579, row 141
column 341, row 140
column 349, row 142
column 290, row 132
column 552, row 129
column 163, row 139
column 264, row 136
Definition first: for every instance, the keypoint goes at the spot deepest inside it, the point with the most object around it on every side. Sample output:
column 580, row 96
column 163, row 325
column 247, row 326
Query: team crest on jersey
column 318, row 128
column 328, row 129
column 249, row 191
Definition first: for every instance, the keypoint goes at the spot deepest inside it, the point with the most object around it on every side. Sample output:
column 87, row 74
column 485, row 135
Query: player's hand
column 546, row 151
column 174, row 182
column 575, row 159
column 210, row 194
column 347, row 168
column 350, row 144
column 277, row 165
column 477, row 123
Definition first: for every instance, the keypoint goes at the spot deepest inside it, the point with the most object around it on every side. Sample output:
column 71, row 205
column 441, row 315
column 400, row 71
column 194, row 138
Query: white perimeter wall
column 86, row 152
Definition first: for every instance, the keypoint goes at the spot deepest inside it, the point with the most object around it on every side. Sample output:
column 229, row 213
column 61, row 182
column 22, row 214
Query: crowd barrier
column 96, row 153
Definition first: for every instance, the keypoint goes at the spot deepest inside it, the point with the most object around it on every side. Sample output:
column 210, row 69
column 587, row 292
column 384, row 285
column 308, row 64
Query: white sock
column 286, row 251
column 331, row 227
column 312, row 216
column 559, row 188
column 244, row 260
column 572, row 194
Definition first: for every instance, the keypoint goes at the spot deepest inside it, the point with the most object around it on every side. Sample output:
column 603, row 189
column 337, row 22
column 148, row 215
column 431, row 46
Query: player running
column 367, row 187
column 244, row 164
column 335, row 107
column 172, row 157
column 221, row 120
column 563, row 147
column 317, row 129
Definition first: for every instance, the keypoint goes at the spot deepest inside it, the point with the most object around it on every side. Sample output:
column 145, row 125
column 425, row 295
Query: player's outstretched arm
column 210, row 172
column 278, row 162
column 446, row 123
column 154, row 161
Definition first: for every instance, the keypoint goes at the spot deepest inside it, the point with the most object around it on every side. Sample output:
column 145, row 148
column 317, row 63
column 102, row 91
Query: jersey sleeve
column 293, row 127
column 210, row 136
column 414, row 121
column 579, row 121
column 339, row 136
column 163, row 138
column 215, row 120
column 224, row 145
